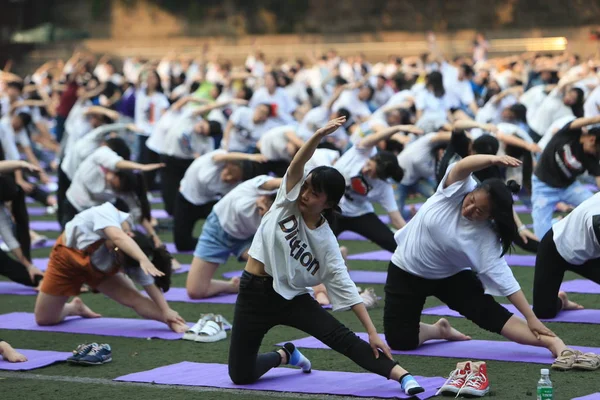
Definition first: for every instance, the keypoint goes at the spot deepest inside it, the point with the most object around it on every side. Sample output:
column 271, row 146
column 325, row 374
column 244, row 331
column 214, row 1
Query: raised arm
column 468, row 165
column 219, row 104
column 383, row 134
column 295, row 171
column 133, row 166
column 581, row 122
column 229, row 157
column 271, row 184
column 8, row 166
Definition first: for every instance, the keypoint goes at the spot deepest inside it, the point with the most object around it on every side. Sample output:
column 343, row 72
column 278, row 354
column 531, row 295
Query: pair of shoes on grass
column 209, row 328
column 469, row 379
column 575, row 359
column 91, row 354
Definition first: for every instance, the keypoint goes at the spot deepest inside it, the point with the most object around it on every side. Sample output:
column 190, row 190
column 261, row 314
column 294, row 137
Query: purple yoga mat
column 470, row 349
column 580, row 286
column 575, row 316
column 16, row 288
column 283, row 380
column 35, row 359
column 53, row 226
column 180, row 295
column 123, row 327
column 172, row 249
column 593, row 396
column 40, row 211
column 384, row 255
column 356, row 275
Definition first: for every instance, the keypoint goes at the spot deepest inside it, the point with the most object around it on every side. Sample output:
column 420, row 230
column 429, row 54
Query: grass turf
column 508, row 380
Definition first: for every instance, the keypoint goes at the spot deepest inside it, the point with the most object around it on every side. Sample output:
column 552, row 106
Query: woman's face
column 263, row 204
column 570, row 98
column 270, row 82
column 476, row 206
column 370, row 169
column 507, row 115
column 113, row 181
column 152, row 81
column 261, row 113
column 309, row 200
column 232, row 173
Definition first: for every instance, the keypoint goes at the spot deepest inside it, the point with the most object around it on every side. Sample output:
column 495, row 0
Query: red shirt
column 67, row 100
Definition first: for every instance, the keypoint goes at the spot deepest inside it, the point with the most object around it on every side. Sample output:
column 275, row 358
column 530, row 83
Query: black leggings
column 531, row 245
column 171, row 176
column 148, row 156
column 184, row 220
column 61, row 194
column 15, row 271
column 405, row 296
column 259, row 308
column 550, row 268
column 10, row 191
column 368, row 225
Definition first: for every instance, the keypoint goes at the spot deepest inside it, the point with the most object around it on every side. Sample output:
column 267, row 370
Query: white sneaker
column 369, row 298
column 213, row 331
column 4, row 247
column 192, row 333
column 51, row 210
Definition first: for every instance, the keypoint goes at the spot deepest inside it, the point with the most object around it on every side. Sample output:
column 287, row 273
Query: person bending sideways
column 454, row 249
column 294, row 249
column 572, row 244
column 229, row 229
column 98, row 248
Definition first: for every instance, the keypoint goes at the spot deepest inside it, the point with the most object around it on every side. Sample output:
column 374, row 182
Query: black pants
column 148, row 156
column 15, row 271
column 10, row 191
column 369, row 226
column 531, row 245
column 69, row 212
column 184, row 220
column 259, row 308
column 61, row 194
column 550, row 268
column 172, row 174
column 405, row 296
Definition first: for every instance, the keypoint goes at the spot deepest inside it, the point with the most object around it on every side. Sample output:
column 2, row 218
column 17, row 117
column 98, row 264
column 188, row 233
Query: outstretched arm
column 8, row 166
column 468, row 165
column 126, row 244
column 375, row 138
column 295, row 171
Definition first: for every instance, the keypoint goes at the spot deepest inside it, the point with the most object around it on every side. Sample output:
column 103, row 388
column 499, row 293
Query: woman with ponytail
column 454, row 249
column 99, row 249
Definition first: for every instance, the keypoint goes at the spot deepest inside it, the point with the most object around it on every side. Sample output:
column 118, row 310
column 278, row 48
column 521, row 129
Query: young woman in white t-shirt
column 294, row 249
column 572, row 244
column 453, row 249
column 229, row 229
column 99, row 249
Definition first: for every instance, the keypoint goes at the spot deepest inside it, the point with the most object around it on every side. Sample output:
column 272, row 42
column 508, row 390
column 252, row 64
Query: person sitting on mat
column 94, row 248
column 9, row 354
column 294, row 249
column 229, row 229
column 454, row 248
column 572, row 244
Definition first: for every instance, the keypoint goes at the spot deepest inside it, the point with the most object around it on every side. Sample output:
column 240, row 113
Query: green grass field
column 62, row 381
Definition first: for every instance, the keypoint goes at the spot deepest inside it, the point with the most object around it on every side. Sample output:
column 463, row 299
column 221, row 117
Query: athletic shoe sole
column 82, row 362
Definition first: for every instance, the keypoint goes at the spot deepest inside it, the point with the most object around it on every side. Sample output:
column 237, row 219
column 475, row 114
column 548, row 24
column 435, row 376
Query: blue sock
column 296, row 358
column 410, row 385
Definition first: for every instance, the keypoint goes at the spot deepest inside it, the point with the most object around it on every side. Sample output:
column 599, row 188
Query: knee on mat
column 545, row 312
column 402, row 342
column 241, row 377
column 185, row 245
column 45, row 321
column 197, row 293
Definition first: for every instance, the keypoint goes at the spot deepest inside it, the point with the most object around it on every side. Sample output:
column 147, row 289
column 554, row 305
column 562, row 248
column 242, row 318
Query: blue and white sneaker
column 81, row 351
column 100, row 354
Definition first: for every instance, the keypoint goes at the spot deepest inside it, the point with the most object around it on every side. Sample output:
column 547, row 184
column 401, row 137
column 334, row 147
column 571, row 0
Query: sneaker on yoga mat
column 457, row 378
column 477, row 383
column 410, row 385
column 100, row 354
column 296, row 358
column 192, row 333
column 212, row 331
column 81, row 351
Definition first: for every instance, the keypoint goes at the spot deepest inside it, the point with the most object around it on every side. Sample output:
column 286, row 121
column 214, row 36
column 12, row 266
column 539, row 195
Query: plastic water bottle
column 544, row 387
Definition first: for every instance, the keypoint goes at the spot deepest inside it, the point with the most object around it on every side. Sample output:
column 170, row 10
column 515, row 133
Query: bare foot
column 447, row 332
column 178, row 327
column 568, row 304
column 235, row 283
column 344, row 251
column 80, row 309
column 175, row 265
column 11, row 355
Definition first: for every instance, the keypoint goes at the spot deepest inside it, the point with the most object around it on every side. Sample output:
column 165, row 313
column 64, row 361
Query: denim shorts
column 215, row 245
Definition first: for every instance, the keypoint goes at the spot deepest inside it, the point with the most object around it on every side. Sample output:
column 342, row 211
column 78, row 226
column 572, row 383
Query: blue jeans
column 544, row 199
column 425, row 187
column 215, row 245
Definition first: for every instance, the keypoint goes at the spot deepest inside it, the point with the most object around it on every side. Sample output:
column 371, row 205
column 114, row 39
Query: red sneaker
column 477, row 384
column 457, row 378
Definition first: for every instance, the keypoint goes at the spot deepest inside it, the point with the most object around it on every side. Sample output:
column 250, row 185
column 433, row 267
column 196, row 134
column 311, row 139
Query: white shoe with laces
column 457, row 379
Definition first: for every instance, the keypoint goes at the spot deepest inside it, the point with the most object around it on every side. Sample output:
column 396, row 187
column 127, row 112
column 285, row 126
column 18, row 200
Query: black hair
column 119, row 146
column 371, row 92
column 330, row 181
column 194, row 86
column 343, row 112
column 394, row 146
column 159, row 87
column 25, row 119
column 527, row 166
column 219, row 87
column 520, row 112
column 214, row 128
column 436, row 82
column 132, row 182
column 387, row 166
column 248, row 92
column 339, row 81
column 15, row 85
column 468, row 70
column 577, row 107
column 400, row 80
column 159, row 256
column 486, row 144
column 501, row 209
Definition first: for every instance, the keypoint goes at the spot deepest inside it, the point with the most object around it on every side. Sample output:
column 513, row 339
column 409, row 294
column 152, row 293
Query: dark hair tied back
column 159, row 256
column 513, row 186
